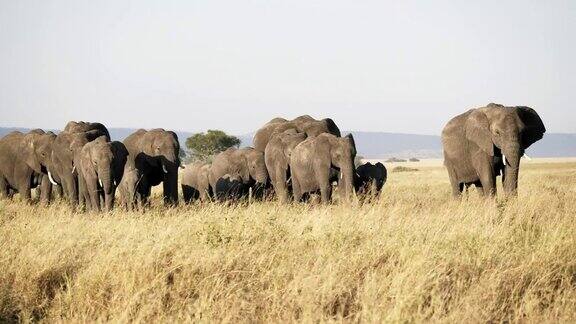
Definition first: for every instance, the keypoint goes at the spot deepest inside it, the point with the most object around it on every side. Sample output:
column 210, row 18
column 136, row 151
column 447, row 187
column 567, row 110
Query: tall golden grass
column 413, row 255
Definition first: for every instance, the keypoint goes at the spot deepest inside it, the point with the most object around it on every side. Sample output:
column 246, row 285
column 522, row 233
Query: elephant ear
column 477, row 130
column 350, row 138
column 28, row 151
column 332, row 127
column 533, row 126
column 120, row 154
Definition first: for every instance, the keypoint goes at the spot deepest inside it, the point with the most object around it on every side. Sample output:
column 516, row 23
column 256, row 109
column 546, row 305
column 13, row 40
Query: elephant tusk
column 115, row 185
column 73, row 169
column 164, row 169
column 341, row 175
column 527, row 157
column 51, row 179
column 100, row 182
column 504, row 159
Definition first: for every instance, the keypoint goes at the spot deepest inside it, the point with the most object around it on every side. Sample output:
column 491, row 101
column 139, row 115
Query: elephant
column 246, row 163
column 230, row 188
column 370, row 178
column 485, row 142
column 155, row 153
column 303, row 124
column 101, row 168
column 277, row 157
column 196, row 182
column 66, row 148
column 313, row 160
column 22, row 162
column 127, row 186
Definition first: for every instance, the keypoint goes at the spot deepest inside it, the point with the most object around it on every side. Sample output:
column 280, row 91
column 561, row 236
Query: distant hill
column 385, row 145
column 376, row 145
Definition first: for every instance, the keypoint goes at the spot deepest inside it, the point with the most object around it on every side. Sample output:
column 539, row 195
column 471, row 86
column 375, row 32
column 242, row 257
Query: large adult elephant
column 196, row 182
column 313, row 160
column 65, row 157
column 277, row 156
column 21, row 158
column 101, row 169
column 155, row 153
column 484, row 142
column 303, row 124
column 247, row 164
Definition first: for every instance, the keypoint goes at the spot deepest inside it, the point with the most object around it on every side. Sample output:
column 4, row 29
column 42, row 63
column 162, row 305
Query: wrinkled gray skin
column 23, row 163
column 303, row 124
column 277, row 157
column 196, row 182
column 155, row 153
column 127, row 186
column 246, row 163
column 66, row 156
column 370, row 178
column 230, row 188
column 476, row 142
column 313, row 161
column 101, row 168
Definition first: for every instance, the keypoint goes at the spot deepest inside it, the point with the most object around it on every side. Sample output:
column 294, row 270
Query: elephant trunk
column 106, row 179
column 347, row 181
column 511, row 159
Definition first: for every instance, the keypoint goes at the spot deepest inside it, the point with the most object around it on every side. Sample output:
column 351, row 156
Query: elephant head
column 162, row 149
column 505, row 132
column 249, row 164
column 36, row 148
column 342, row 154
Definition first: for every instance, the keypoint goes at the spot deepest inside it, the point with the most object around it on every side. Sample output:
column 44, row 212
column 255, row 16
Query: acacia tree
column 204, row 145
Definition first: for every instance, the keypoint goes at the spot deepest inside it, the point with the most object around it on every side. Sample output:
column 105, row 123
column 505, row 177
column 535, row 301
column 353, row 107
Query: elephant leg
column 45, row 190
column 24, row 190
column 170, row 189
column 93, row 203
column 189, row 193
column 4, row 189
column 487, row 180
column 296, row 189
column 457, row 187
column 57, row 192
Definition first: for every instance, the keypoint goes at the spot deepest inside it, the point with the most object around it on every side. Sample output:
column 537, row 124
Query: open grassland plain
column 415, row 254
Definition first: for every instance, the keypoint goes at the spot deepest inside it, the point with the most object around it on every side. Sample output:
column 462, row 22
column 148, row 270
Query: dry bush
column 414, row 255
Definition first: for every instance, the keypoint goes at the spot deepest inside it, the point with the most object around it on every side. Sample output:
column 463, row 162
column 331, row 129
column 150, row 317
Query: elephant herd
column 290, row 159
column 82, row 165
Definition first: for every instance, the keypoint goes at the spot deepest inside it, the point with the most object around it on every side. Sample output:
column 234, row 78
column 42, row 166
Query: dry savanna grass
column 412, row 255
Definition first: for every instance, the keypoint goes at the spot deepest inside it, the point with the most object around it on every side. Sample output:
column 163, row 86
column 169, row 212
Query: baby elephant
column 230, row 188
column 370, row 178
column 195, row 182
column 101, row 169
column 127, row 187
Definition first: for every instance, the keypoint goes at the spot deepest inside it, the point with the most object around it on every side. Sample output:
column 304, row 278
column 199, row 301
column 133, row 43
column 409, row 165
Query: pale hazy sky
column 394, row 66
